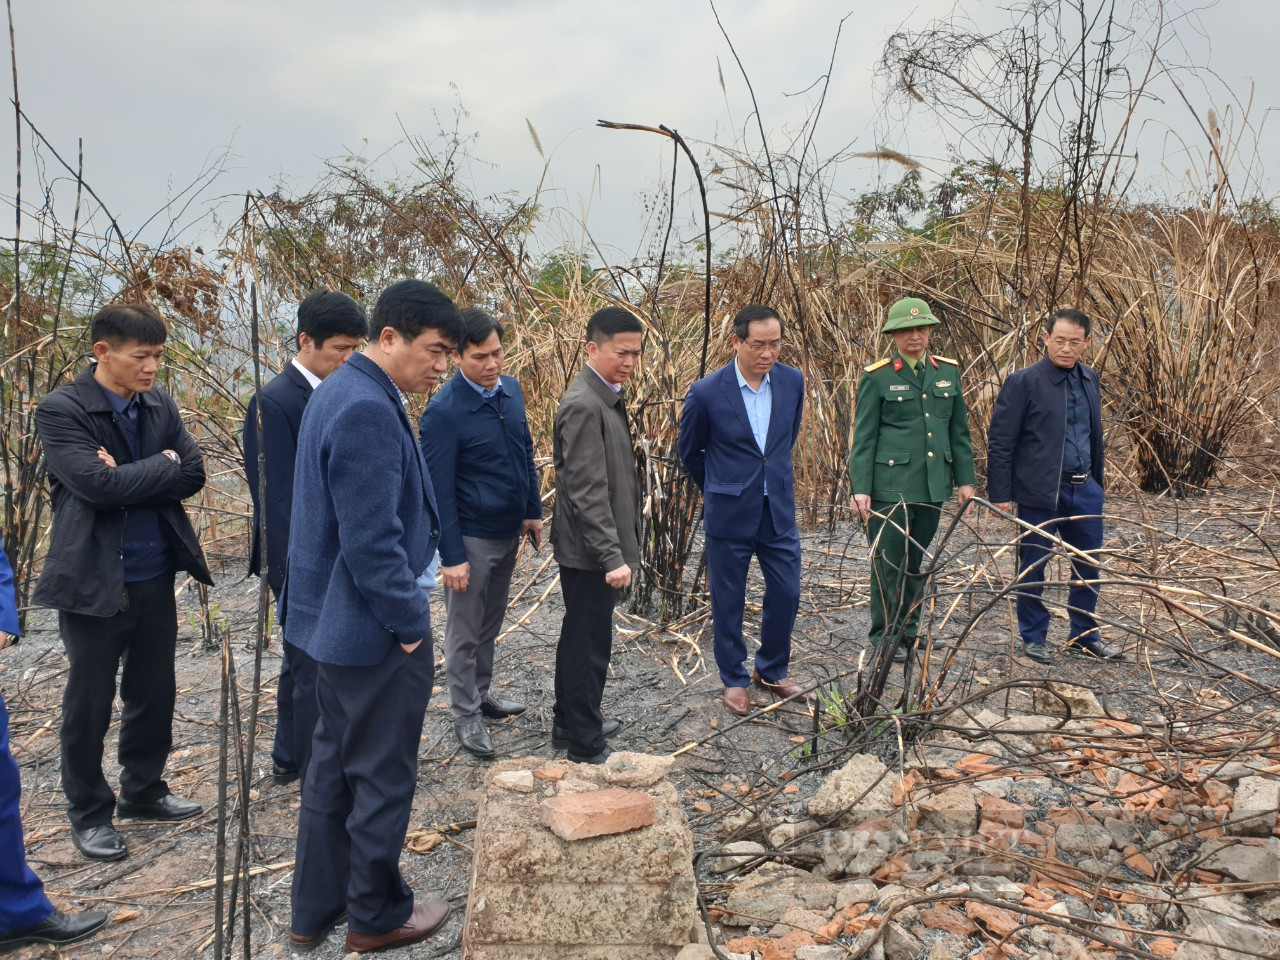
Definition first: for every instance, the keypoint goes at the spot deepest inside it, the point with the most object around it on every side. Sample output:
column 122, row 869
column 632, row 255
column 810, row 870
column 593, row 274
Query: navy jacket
column 364, row 523
column 84, row 567
column 8, row 598
column 283, row 400
column 720, row 452
column 1028, row 435
column 481, row 465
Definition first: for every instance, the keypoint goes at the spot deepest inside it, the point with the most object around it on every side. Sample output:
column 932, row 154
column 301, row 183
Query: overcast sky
column 159, row 89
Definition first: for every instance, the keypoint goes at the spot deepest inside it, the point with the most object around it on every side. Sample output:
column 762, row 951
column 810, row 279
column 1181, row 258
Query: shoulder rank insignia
column 947, row 360
column 873, row 367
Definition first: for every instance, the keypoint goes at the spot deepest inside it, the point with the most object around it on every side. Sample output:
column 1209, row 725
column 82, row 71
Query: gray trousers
column 474, row 619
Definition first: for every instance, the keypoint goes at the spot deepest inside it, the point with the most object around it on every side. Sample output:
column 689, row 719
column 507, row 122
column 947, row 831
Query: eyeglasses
column 773, row 346
column 1058, row 342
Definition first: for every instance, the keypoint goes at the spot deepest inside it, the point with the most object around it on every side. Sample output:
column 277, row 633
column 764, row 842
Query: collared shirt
column 404, row 401
column 144, row 550
column 759, row 404
column 615, row 387
column 1076, row 454
column 311, row 377
column 491, row 395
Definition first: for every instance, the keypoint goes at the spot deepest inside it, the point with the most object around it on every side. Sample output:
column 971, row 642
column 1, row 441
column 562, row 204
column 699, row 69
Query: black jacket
column 283, row 400
column 1028, row 435
column 84, row 569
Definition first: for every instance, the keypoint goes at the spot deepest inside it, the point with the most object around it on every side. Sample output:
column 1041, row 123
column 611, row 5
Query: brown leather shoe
column 783, row 688
column 423, row 922
column 736, row 699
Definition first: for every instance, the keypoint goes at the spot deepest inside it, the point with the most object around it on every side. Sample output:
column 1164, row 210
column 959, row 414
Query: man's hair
column 411, row 306
column 608, row 322
column 753, row 313
column 326, row 313
column 1076, row 317
column 477, row 326
column 119, row 323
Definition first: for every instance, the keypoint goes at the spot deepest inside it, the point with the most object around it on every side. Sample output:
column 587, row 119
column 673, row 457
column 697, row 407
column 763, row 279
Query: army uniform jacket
column 911, row 438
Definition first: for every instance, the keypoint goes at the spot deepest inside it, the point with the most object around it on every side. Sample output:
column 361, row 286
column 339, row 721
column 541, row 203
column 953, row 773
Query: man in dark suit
column 1044, row 453
column 330, row 327
column 26, row 915
column 596, row 527
column 736, row 433
column 364, row 527
column 475, row 436
column 120, row 463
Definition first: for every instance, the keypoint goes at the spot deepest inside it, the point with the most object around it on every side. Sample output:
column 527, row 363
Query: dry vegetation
column 1182, row 291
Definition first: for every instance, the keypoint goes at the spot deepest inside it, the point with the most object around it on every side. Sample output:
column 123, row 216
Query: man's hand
column 533, row 529
column 456, row 578
column 619, row 579
column 963, row 496
column 410, row 647
column 1006, row 507
column 5, row 639
column 861, row 504
column 106, row 458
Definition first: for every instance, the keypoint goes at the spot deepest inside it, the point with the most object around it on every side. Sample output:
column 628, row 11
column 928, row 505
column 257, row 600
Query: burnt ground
column 1179, row 671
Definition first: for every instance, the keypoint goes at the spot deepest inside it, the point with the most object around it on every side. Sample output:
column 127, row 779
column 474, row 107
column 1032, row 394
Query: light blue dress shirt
column 759, row 404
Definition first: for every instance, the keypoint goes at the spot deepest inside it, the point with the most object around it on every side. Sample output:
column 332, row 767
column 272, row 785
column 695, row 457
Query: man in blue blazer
column 330, row 328
column 26, row 915
column 363, row 529
column 736, row 433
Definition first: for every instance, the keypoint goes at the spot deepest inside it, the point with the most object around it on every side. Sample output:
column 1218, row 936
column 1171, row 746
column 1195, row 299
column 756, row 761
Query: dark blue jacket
column 481, row 464
column 364, row 523
column 1028, row 435
column 720, row 452
column 8, row 598
column 283, row 400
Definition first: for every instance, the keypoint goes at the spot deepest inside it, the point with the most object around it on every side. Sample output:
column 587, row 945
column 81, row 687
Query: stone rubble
column 1059, row 836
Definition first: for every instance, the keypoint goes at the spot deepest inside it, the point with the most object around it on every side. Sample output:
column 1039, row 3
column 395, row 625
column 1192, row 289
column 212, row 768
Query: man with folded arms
column 120, row 464
column 475, row 437
column 1044, row 453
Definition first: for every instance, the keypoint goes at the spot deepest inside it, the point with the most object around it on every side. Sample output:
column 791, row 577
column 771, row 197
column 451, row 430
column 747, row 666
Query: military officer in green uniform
column 911, row 447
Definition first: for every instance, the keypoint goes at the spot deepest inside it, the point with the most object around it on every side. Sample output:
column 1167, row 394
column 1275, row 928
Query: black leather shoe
column 900, row 653
column 474, row 737
column 1095, row 649
column 167, row 809
column 306, row 942
column 598, row 759
column 495, row 708
column 282, row 775
column 1037, row 652
column 57, row 928
column 560, row 736
column 99, row 843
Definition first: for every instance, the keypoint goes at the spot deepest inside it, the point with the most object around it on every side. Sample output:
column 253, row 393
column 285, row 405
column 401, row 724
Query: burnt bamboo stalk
column 665, row 131
column 16, row 306
column 220, row 848
column 260, row 637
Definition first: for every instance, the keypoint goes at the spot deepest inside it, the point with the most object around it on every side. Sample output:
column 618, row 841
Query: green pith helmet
column 909, row 312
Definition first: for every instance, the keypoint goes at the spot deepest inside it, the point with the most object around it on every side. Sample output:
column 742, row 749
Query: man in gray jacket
column 596, row 528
